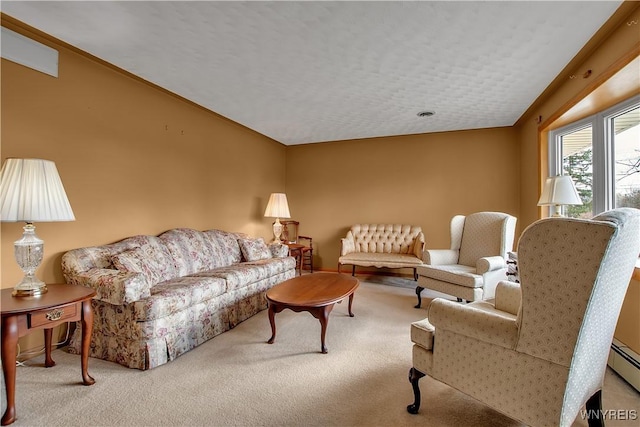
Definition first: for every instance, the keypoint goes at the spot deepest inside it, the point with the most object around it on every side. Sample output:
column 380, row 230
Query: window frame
column 602, row 143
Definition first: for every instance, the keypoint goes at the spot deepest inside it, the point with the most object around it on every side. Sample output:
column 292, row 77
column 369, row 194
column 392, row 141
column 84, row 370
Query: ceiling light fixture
column 426, row 113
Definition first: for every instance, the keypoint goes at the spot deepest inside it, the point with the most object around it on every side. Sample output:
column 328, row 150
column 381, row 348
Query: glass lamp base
column 28, row 251
column 29, row 292
column 29, row 287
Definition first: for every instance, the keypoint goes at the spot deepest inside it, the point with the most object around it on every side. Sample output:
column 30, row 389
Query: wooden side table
column 22, row 315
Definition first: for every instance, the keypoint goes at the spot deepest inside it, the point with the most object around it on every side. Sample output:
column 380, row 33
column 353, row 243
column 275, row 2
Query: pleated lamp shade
column 277, row 207
column 31, row 191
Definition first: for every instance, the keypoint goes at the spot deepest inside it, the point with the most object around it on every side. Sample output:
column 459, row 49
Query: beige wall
column 133, row 159
column 418, row 179
column 628, row 329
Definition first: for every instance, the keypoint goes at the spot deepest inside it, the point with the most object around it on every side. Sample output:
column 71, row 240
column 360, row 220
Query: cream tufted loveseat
column 382, row 245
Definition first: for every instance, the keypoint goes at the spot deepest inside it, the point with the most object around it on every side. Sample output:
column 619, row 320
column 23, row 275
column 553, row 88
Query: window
column 602, row 155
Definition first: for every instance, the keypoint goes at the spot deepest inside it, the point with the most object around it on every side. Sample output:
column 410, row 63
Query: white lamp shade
column 277, row 206
column 31, row 191
column 559, row 190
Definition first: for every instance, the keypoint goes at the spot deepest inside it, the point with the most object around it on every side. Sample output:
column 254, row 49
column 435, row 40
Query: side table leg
column 9, row 354
column 48, row 361
column 87, row 327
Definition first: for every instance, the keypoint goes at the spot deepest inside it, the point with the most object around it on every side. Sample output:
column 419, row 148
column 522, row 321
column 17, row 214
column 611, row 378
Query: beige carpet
column 237, row 379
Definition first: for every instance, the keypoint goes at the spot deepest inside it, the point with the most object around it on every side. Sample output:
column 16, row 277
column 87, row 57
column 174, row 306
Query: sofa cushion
column 228, row 244
column 254, row 249
column 176, row 295
column 151, row 260
column 374, row 259
column 241, row 275
column 191, row 251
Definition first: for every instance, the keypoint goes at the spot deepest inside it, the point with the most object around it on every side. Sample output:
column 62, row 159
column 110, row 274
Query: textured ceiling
column 304, row 72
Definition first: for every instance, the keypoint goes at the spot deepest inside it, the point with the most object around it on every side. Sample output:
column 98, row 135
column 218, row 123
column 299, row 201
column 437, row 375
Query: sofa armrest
column 490, row 263
column 487, row 325
column 440, row 256
column 278, row 250
column 114, row 286
column 508, row 297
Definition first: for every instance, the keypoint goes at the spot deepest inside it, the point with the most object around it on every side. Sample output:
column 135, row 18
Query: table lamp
column 277, row 208
column 31, row 191
column 559, row 190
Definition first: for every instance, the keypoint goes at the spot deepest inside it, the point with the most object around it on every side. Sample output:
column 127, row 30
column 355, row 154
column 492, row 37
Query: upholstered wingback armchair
column 476, row 262
column 538, row 352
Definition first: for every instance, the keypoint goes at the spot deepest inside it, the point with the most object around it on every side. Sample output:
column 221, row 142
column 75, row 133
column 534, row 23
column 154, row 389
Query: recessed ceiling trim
column 29, row 53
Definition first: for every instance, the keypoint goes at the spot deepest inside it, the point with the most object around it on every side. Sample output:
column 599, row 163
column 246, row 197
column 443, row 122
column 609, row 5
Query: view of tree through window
column 577, row 161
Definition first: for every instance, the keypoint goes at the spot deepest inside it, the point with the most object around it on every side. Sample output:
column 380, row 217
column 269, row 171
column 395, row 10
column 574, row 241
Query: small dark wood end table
column 315, row 293
column 22, row 315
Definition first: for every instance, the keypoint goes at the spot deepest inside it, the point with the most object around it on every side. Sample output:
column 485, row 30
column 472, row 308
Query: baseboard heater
column 625, row 362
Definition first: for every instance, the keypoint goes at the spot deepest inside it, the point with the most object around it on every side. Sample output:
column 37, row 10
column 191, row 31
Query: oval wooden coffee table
column 316, row 293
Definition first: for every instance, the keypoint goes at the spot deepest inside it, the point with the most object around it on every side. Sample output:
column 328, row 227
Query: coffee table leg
column 272, row 321
column 350, row 303
column 323, row 316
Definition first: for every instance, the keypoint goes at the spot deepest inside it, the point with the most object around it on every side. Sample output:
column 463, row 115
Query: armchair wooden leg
column 415, row 274
column 594, row 410
column 419, row 290
column 353, row 272
column 414, row 377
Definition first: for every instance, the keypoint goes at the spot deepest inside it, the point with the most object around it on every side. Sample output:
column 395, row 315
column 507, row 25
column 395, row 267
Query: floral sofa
column 160, row 296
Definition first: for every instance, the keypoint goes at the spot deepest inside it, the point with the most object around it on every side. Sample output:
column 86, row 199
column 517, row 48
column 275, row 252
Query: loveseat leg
column 353, row 272
column 419, row 290
column 414, row 377
column 594, row 410
column 415, row 274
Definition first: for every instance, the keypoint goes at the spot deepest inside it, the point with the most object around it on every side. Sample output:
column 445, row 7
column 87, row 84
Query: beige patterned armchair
column 476, row 262
column 538, row 352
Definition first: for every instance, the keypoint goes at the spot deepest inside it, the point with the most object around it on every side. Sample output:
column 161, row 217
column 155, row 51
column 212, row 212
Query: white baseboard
column 625, row 362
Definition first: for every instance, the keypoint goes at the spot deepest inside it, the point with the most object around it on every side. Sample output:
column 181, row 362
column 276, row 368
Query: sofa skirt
column 146, row 345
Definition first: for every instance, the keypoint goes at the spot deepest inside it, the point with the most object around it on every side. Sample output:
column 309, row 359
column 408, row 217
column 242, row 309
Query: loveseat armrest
column 490, row 263
column 440, row 256
column 508, row 297
column 485, row 324
column 113, row 286
column 348, row 244
column 418, row 247
column 278, row 250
